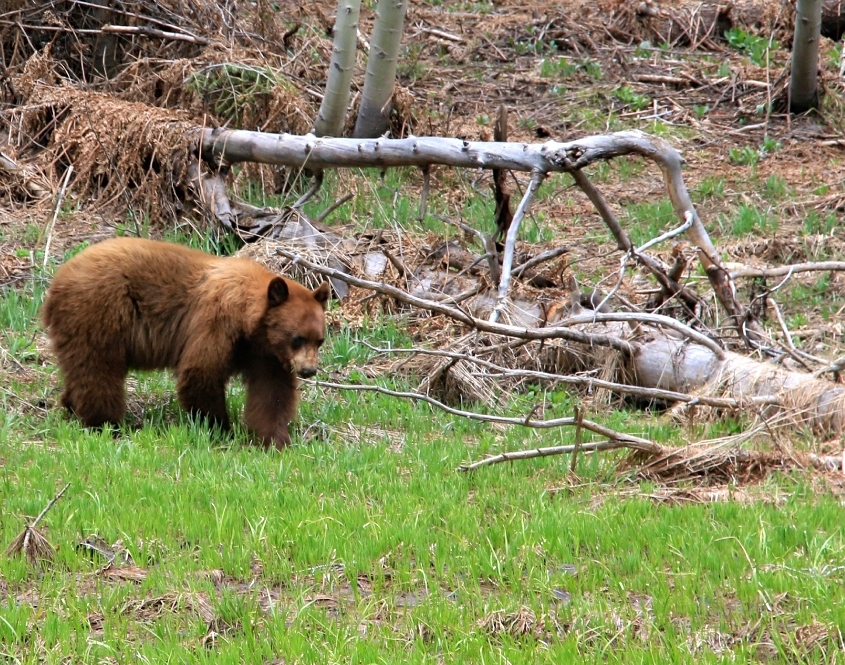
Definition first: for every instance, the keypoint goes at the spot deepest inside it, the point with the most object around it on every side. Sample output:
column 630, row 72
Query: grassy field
column 362, row 543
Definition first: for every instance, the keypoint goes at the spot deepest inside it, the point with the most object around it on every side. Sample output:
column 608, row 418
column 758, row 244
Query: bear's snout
column 307, row 372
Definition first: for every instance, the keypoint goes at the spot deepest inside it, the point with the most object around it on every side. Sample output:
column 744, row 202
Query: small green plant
column 744, row 156
column 712, row 187
column 628, row 96
column 775, row 187
column 724, row 70
column 643, row 49
column 557, row 68
column 482, row 120
column 591, row 68
column 750, row 220
column 814, row 223
column 755, row 47
column 700, row 110
column 769, row 144
column 834, row 57
column 409, row 66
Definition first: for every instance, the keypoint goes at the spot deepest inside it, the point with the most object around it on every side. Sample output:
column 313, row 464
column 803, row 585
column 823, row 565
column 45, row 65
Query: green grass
column 361, row 542
column 749, row 219
column 649, row 220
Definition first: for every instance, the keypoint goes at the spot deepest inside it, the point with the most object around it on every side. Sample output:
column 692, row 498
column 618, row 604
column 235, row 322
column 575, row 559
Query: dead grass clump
column 122, row 153
column 34, row 546
column 522, row 623
column 150, row 609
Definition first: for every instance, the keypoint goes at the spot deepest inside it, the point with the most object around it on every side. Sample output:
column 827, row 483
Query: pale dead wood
column 146, row 31
column 631, row 441
column 315, row 153
column 461, row 316
column 35, row 547
column 592, row 447
column 590, row 383
column 789, row 270
column 56, row 209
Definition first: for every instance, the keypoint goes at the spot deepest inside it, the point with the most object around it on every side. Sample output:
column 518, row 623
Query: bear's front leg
column 202, row 392
column 271, row 401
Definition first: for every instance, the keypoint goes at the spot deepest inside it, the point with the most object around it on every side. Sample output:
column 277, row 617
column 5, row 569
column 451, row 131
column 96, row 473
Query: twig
column 442, row 35
column 579, row 421
column 401, row 268
column 478, row 324
column 540, row 258
column 48, row 506
column 629, row 439
column 56, row 215
column 537, row 178
column 426, row 171
column 596, row 446
column 669, row 234
column 152, row 32
column 787, row 270
column 487, row 242
column 315, row 186
column 334, row 206
column 655, row 267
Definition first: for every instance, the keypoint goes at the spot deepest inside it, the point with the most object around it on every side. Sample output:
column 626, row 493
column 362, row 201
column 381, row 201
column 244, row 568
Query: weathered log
column 661, row 353
column 316, row 153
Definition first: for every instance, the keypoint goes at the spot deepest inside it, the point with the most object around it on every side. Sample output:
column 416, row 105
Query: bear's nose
column 307, row 372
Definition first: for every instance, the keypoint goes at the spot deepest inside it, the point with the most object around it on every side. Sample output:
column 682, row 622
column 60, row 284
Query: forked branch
column 316, row 154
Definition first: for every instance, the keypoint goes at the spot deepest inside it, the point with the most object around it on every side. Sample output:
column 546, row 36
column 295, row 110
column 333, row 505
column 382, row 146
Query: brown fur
column 129, row 303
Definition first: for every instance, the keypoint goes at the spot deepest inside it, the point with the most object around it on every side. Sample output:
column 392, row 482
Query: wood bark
column 317, row 154
column 380, row 77
column 332, row 114
column 660, row 353
column 803, row 79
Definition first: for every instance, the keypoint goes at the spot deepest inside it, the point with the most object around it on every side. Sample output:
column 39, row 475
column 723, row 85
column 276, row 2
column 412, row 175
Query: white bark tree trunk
column 332, row 114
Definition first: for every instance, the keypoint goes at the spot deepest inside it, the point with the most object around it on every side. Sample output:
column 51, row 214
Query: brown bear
column 130, row 303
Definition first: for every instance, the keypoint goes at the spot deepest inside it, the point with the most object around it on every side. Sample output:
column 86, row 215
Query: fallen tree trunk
column 662, row 354
column 309, row 151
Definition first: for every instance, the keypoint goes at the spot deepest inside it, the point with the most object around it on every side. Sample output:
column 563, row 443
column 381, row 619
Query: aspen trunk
column 332, row 114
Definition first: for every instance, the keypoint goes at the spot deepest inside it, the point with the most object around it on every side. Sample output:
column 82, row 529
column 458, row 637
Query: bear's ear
column 277, row 292
column 321, row 294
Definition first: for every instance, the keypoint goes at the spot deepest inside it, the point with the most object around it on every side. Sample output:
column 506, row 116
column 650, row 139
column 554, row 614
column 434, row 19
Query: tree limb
column 478, row 324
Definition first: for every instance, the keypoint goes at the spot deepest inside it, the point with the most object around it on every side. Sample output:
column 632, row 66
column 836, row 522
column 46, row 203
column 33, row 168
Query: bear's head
column 295, row 324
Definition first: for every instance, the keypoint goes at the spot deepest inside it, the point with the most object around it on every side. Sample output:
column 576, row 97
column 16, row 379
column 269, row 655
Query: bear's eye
column 298, row 342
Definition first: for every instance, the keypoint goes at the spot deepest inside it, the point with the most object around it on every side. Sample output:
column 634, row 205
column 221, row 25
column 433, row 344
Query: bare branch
column 592, row 447
column 668, row 235
column 334, row 206
column 789, row 270
column 591, row 383
column 540, row 258
column 315, row 187
column 630, row 440
column 478, row 324
column 592, row 316
column 48, row 506
column 146, row 31
column 688, row 298
column 537, row 178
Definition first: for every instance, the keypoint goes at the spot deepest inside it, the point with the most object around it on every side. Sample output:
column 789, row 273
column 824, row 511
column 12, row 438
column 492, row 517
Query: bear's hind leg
column 96, row 398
